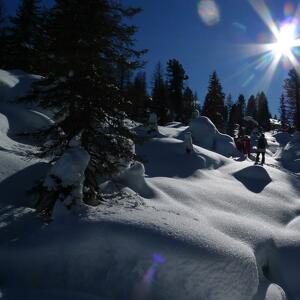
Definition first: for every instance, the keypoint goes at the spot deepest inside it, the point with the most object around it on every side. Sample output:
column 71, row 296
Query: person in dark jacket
column 261, row 148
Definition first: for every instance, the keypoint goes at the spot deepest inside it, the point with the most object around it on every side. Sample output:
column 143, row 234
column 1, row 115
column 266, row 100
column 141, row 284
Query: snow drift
column 15, row 84
column 206, row 135
column 291, row 154
column 180, row 226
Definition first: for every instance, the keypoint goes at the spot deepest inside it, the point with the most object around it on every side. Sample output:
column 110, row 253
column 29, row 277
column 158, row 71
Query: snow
column 177, row 226
column 69, row 169
column 206, row 135
column 291, row 154
column 251, row 119
column 14, row 84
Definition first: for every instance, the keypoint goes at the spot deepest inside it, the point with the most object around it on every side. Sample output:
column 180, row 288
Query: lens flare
column 289, row 9
column 282, row 45
column 209, row 12
column 142, row 289
column 286, row 39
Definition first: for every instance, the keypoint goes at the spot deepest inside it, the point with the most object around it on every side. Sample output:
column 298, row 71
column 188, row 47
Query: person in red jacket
column 247, row 145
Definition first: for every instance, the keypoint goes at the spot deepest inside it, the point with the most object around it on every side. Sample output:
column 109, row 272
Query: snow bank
column 206, row 135
column 6, row 143
column 291, row 154
column 68, row 173
column 15, row 84
column 188, row 226
column 275, row 292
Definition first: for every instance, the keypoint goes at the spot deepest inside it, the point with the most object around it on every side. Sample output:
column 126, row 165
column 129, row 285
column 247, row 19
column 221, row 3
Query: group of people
column 244, row 145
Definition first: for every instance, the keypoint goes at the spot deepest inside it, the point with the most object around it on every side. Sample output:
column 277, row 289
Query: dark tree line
column 290, row 101
column 169, row 97
column 226, row 114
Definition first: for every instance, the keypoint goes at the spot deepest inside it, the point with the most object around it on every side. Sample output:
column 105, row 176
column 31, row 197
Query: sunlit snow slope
column 199, row 226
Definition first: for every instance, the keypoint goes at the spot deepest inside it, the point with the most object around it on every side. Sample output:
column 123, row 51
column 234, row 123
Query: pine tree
column 87, row 40
column 22, row 36
column 2, row 16
column 263, row 112
column 233, row 119
column 241, row 105
column 189, row 105
column 251, row 109
column 137, row 94
column 283, row 112
column 160, row 97
column 2, row 36
column 214, row 107
column 229, row 102
column 292, row 93
column 198, row 108
column 176, row 83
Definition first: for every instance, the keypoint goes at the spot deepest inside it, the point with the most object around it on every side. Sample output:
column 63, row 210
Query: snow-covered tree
column 214, row 107
column 87, row 40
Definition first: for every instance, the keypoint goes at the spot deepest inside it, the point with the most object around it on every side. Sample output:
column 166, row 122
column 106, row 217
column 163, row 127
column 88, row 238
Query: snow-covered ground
column 198, row 226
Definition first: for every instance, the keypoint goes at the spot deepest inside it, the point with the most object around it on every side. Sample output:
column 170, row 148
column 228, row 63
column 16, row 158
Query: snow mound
column 291, row 154
column 206, row 135
column 68, row 173
column 134, row 178
column 186, row 226
column 275, row 292
column 7, row 144
column 15, row 84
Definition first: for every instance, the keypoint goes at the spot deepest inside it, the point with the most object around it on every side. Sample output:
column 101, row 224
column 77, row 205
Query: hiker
column 246, row 145
column 261, row 148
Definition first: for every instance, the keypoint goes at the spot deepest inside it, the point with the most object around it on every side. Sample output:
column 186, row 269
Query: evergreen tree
column 233, row 119
column 229, row 102
column 263, row 113
column 189, row 105
column 176, row 78
column 292, row 94
column 137, row 94
column 214, row 107
column 241, row 105
column 2, row 16
column 251, row 109
column 87, row 40
column 22, row 36
column 2, row 36
column 160, row 97
column 197, row 104
column 283, row 112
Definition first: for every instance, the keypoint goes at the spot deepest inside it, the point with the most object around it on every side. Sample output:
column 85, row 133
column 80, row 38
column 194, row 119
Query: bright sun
column 286, row 40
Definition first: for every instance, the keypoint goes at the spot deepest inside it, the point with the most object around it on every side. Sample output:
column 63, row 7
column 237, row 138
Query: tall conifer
column 87, row 40
column 214, row 107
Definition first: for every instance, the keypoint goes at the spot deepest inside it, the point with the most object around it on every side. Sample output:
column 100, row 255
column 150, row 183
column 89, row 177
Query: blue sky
column 174, row 29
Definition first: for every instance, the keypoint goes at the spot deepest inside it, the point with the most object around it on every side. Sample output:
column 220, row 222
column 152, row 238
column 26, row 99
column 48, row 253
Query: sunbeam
column 285, row 40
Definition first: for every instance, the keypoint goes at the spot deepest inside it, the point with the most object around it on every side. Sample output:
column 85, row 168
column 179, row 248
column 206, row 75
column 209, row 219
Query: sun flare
column 286, row 40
